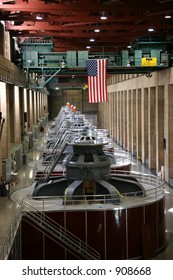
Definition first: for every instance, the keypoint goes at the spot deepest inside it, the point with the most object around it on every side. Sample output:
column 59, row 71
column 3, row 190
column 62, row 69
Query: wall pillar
column 5, row 131
column 30, row 111
column 124, row 119
column 133, row 121
column 121, row 118
column 129, row 130
column 35, row 108
column 115, row 117
column 17, row 120
column 118, row 117
column 168, row 132
column 110, row 125
column 5, row 137
column 138, row 124
column 144, row 122
column 152, row 128
column 160, row 143
column 25, row 108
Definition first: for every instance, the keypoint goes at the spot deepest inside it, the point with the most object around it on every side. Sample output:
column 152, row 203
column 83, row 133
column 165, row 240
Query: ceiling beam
column 36, row 6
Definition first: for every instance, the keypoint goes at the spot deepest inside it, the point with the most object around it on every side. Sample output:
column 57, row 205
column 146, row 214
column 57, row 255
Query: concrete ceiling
column 71, row 23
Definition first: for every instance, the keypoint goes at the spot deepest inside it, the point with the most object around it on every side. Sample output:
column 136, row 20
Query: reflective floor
column 26, row 174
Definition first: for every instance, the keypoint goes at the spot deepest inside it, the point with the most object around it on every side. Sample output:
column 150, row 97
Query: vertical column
column 125, row 119
column 22, row 121
column 4, row 122
column 121, row 118
column 168, row 132
column 25, row 108
column 160, row 141
column 115, row 116
column 129, row 120
column 102, row 115
column 106, row 108
column 118, row 117
column 5, row 127
column 144, row 122
column 152, row 128
column 1, row 129
column 38, row 95
column 110, row 114
column 45, row 102
column 30, row 111
column 113, row 126
column 41, row 104
column 133, row 121
column 17, row 119
column 134, row 152
column 35, row 111
column 138, row 124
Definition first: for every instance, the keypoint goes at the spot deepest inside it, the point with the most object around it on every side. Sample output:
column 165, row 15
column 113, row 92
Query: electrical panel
column 82, row 57
column 71, row 58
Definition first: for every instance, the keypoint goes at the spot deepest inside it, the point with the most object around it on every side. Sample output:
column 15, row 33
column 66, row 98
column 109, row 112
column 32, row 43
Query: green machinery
column 42, row 63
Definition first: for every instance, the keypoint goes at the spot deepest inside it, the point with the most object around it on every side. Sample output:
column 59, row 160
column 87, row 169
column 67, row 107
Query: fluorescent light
column 39, row 17
column 167, row 16
column 103, row 17
column 97, row 30
column 92, row 40
column 150, row 29
column 88, row 47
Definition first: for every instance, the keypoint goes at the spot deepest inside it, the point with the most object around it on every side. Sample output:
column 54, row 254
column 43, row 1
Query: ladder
column 55, row 157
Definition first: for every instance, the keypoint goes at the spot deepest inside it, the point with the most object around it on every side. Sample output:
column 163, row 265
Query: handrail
column 9, row 238
column 47, row 234
column 66, row 237
column 58, row 232
column 155, row 191
column 99, row 202
column 55, row 157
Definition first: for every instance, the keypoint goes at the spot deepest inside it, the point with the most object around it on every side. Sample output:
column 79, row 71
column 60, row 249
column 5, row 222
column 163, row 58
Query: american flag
column 97, row 87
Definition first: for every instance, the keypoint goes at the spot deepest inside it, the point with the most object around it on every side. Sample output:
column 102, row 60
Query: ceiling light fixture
column 167, row 16
column 92, row 40
column 88, row 47
column 39, row 17
column 103, row 16
column 150, row 29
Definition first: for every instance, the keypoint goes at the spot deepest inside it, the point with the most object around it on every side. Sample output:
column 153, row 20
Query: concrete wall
column 139, row 117
column 77, row 97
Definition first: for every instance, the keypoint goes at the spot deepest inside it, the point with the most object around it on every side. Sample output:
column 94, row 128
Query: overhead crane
column 42, row 64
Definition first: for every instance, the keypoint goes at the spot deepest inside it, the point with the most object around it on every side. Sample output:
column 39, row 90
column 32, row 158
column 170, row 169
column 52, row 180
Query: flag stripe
column 97, row 87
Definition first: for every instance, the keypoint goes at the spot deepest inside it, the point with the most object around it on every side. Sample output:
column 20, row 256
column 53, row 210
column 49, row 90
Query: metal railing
column 58, row 233
column 10, row 236
column 50, row 228
column 154, row 191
